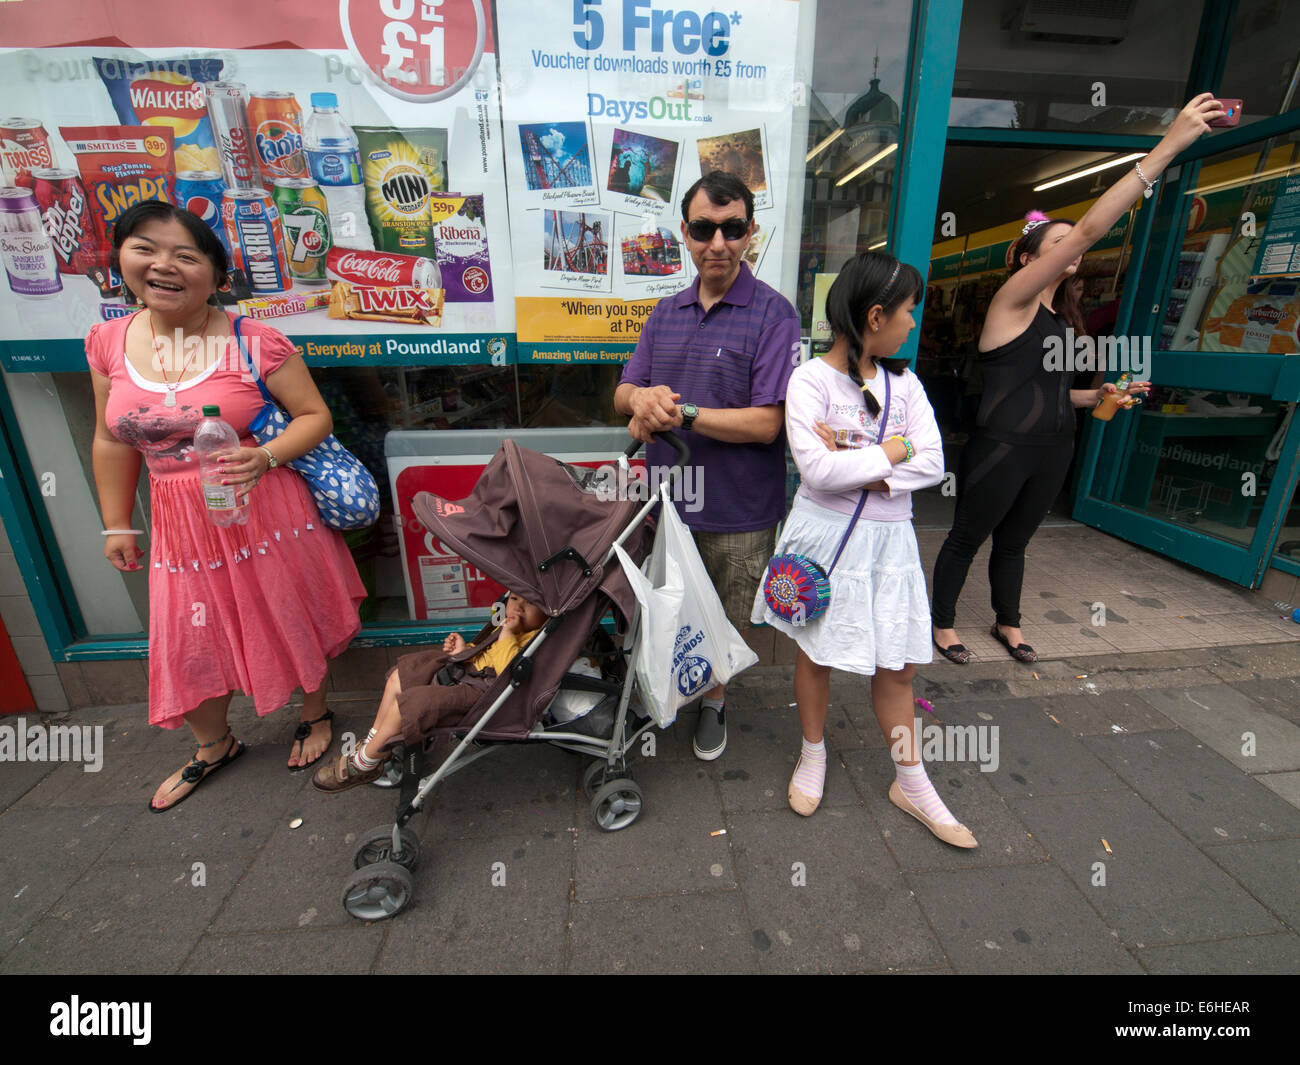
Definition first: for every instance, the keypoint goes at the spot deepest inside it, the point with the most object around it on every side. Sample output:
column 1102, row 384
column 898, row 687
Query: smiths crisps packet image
column 167, row 93
column 121, row 166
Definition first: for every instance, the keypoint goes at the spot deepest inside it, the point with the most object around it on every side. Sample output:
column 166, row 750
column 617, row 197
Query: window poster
column 610, row 112
column 347, row 155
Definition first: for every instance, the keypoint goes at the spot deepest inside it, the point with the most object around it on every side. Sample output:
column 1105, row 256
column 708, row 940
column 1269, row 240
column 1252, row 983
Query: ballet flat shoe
column 955, row 835
column 804, row 805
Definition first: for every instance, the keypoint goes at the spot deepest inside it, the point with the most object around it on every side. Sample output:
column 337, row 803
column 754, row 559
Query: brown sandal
column 343, row 774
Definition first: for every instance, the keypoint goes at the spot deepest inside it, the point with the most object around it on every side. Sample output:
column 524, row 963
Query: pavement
column 1142, row 815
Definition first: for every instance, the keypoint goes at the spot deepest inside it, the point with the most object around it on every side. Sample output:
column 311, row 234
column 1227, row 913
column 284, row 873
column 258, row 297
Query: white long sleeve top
column 834, row 479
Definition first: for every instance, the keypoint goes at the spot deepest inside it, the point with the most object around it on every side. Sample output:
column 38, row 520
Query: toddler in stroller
column 420, row 697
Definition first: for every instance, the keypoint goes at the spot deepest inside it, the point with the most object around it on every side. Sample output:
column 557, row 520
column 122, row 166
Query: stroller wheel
column 617, row 804
column 376, row 846
column 593, row 777
column 378, row 891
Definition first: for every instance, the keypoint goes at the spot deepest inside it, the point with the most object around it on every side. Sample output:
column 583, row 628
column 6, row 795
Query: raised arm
column 1024, row 286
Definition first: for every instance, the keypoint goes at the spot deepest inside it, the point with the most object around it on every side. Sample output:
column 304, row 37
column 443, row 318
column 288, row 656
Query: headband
column 1030, row 226
column 889, row 285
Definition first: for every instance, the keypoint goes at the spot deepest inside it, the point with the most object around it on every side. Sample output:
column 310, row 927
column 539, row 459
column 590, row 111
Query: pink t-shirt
column 137, row 415
column 819, row 393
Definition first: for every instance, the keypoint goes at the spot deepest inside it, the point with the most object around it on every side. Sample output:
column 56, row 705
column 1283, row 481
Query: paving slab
column 1021, row 919
column 1285, row 784
column 1196, row 789
column 1158, row 887
column 18, row 778
column 1038, row 756
column 824, row 895
column 289, row 953
column 1277, row 695
column 702, row 932
column 43, row 853
column 1268, row 870
column 124, row 919
column 1223, row 718
column 1105, row 713
column 296, row 879
column 1263, row 955
column 485, row 906
column 1260, row 662
column 669, row 849
column 968, row 794
column 518, row 789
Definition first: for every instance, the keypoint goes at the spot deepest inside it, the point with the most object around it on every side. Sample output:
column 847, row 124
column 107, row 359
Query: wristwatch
column 689, row 413
column 274, row 461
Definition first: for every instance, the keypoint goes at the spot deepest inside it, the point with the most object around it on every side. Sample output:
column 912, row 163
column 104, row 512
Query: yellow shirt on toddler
column 502, row 650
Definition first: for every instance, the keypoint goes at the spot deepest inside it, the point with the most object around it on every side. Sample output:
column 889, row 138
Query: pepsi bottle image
column 200, row 193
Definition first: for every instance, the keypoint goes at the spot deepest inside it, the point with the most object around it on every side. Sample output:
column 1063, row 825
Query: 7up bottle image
column 305, row 217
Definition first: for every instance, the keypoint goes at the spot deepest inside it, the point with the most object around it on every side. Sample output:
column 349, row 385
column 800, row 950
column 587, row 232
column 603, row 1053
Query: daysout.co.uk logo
column 692, row 671
column 413, row 49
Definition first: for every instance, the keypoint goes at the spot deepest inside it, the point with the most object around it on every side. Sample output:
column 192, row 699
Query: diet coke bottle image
column 26, row 249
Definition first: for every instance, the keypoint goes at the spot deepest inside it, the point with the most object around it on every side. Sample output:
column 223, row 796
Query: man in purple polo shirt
column 712, row 365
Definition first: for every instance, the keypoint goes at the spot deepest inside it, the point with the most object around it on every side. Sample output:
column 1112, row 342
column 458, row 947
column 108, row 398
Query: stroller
column 547, row 531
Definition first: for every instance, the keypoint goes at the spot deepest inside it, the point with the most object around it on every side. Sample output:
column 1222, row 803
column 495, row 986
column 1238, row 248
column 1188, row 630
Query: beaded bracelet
column 907, row 446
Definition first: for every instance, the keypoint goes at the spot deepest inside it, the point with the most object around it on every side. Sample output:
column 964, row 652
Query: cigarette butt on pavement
column 1107, row 846
column 719, row 832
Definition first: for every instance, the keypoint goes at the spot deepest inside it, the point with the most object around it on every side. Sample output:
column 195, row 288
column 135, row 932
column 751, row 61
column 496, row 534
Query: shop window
column 1236, row 286
column 1090, row 66
column 1201, row 459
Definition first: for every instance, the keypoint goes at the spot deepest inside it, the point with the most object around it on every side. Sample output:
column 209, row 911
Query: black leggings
column 1006, row 490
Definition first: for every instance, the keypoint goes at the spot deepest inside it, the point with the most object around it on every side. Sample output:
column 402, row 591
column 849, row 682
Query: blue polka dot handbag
column 797, row 589
column 344, row 490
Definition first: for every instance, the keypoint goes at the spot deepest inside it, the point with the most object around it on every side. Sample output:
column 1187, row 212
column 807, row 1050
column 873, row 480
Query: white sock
column 915, row 784
column 810, row 776
column 359, row 758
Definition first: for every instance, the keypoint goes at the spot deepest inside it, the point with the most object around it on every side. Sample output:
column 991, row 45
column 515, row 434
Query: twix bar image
column 389, row 303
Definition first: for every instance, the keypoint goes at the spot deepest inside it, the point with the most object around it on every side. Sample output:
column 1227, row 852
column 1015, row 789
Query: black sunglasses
column 732, row 229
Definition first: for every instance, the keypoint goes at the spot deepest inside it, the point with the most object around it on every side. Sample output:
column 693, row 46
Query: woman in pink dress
column 259, row 607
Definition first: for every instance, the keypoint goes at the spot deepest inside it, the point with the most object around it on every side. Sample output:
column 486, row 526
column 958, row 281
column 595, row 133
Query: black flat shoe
column 956, row 653
column 1022, row 652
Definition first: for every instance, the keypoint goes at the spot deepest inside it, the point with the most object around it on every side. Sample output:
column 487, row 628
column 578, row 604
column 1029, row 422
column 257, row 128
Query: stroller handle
column 678, row 445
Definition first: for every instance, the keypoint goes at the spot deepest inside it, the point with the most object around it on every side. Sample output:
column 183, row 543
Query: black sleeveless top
column 1025, row 403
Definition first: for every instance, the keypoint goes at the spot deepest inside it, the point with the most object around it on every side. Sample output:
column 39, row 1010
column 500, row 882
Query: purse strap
column 248, row 361
column 880, row 436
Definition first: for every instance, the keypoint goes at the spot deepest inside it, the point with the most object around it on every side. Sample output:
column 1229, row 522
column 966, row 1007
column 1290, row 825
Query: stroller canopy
column 527, row 508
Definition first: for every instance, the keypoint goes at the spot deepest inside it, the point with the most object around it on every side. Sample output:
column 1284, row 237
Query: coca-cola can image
column 65, row 213
column 24, row 147
column 228, row 109
column 381, row 269
column 27, row 252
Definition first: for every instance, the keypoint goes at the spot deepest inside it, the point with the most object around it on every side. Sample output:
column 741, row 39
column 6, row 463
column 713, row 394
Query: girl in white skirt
column 878, row 619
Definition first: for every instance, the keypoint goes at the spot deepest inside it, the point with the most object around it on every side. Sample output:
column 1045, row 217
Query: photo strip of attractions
column 462, row 213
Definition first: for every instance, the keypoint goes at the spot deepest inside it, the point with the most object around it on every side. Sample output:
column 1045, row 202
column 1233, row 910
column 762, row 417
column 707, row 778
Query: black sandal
column 303, row 733
column 1022, row 652
column 956, row 653
column 197, row 771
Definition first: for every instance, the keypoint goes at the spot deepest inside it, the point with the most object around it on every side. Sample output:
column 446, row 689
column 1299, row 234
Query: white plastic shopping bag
column 685, row 644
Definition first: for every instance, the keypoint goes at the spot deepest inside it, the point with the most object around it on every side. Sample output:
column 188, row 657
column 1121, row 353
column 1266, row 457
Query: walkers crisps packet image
column 167, row 94
column 121, row 166
column 460, row 243
column 402, row 168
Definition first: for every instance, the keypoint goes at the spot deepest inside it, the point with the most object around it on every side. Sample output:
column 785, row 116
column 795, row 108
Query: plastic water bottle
column 216, row 436
column 334, row 159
